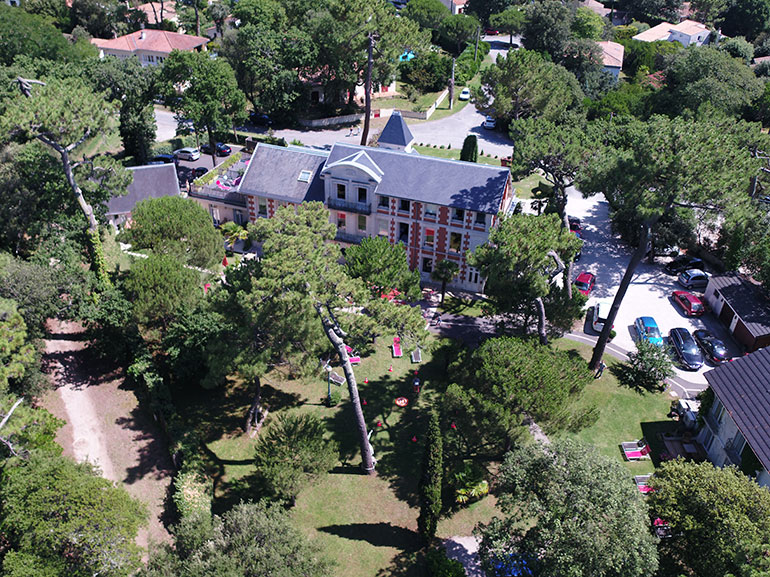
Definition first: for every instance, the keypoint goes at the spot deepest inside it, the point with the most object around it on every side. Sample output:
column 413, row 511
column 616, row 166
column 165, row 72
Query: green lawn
column 453, row 154
column 525, row 187
column 626, row 414
column 462, row 306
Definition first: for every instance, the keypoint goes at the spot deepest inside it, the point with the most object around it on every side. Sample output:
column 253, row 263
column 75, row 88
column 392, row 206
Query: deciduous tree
column 587, row 24
column 383, row 266
column 719, row 516
column 547, row 27
column 569, row 511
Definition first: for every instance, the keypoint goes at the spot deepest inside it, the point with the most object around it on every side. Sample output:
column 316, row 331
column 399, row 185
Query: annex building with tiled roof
column 151, row 47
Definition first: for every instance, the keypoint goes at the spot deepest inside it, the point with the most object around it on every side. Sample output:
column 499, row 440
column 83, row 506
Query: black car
column 164, row 159
column 686, row 349
column 683, row 263
column 713, row 349
column 199, row 171
column 222, row 149
column 260, row 119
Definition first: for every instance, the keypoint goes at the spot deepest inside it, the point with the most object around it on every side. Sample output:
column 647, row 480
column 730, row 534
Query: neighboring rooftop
column 151, row 40
column 663, row 30
column 743, row 387
column 396, row 133
column 281, row 172
column 747, row 299
column 454, row 183
column 612, row 54
column 595, row 7
column 153, row 181
column 152, row 10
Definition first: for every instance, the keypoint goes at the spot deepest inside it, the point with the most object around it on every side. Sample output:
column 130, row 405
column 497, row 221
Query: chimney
column 141, row 35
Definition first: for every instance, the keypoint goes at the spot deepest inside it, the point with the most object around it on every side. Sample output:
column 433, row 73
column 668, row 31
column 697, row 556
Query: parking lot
column 649, row 293
column 185, row 167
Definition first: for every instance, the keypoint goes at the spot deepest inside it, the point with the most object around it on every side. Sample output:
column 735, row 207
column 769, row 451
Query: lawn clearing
column 525, row 188
column 367, row 524
column 453, row 154
column 626, row 415
column 462, row 306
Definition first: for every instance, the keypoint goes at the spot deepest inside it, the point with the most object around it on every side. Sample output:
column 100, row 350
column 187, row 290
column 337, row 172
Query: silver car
column 694, row 279
column 189, row 153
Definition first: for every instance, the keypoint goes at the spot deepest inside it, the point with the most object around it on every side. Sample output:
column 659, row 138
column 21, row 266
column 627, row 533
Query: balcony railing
column 351, row 238
column 357, row 207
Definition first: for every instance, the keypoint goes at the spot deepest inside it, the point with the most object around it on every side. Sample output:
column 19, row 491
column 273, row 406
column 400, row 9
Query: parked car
column 163, row 159
column 189, row 153
column 647, row 329
column 260, row 119
column 465, row 94
column 489, row 123
column 585, row 282
column 222, row 149
column 691, row 305
column 491, row 32
column 601, row 312
column 685, row 348
column 199, row 171
column 694, row 279
column 713, row 349
column 683, row 263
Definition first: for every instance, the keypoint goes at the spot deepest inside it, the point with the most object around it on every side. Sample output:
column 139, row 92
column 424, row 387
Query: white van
column 601, row 312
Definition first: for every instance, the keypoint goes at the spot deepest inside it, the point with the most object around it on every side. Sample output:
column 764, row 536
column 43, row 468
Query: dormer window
column 304, row 176
column 383, row 202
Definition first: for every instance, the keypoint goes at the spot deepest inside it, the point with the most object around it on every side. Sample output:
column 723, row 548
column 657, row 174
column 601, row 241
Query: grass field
column 453, row 154
column 367, row 524
column 462, row 306
column 525, row 187
column 626, row 414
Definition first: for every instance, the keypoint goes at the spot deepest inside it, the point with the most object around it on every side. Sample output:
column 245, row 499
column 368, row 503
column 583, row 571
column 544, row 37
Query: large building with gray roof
column 439, row 209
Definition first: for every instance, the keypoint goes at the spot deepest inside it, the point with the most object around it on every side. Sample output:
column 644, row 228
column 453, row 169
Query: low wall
column 332, row 121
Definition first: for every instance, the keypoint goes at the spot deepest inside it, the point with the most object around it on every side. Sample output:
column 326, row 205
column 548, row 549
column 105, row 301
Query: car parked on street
column 491, row 32
column 190, row 153
column 685, row 348
column 694, row 279
column 585, row 282
column 222, row 149
column 163, row 159
column 199, row 171
column 647, row 330
column 489, row 123
column 713, row 349
column 260, row 119
column 683, row 263
column 691, row 305
column 465, row 94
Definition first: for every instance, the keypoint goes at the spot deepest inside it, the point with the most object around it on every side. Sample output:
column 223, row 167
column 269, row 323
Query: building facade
column 439, row 209
column 151, row 47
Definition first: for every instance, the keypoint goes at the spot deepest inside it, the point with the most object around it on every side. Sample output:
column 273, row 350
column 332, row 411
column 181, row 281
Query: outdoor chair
column 636, row 450
column 642, row 484
column 336, row 379
column 417, row 355
column 397, row 352
column 354, row 360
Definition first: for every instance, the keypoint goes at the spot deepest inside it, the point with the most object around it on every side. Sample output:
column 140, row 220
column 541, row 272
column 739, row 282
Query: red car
column 691, row 305
column 585, row 282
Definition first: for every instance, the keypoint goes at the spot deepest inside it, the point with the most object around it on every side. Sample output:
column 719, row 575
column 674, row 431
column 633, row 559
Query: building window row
column 431, row 210
column 362, row 193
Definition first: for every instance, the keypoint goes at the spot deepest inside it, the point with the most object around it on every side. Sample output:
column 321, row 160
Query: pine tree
column 431, row 481
column 470, row 151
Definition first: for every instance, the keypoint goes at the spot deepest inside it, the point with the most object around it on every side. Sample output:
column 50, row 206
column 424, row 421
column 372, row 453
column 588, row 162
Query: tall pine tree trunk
column 541, row 329
column 367, row 459
column 368, row 91
column 452, row 85
column 256, row 416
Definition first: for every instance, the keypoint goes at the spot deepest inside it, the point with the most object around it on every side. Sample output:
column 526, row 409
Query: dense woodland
column 676, row 146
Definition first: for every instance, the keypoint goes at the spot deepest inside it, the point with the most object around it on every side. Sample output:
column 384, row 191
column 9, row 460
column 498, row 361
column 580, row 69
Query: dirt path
column 105, row 424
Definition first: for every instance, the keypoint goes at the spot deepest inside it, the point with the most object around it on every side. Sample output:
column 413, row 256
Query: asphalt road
column 166, row 124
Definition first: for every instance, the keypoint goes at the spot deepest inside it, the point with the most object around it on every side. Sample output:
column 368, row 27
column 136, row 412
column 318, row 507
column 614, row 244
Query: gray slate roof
column 274, row 171
column 154, row 181
column 396, row 131
column 743, row 386
column 748, row 300
column 465, row 185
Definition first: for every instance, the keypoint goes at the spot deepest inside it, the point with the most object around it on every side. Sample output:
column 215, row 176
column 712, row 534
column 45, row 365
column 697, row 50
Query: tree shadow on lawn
column 377, row 534
column 398, row 442
column 626, row 377
column 406, row 564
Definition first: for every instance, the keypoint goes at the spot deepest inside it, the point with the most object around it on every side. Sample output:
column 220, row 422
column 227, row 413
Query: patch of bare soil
column 105, row 424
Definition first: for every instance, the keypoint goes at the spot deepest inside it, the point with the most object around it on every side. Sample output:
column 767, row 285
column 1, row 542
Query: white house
column 687, row 32
column 151, row 47
column 612, row 57
column 738, row 422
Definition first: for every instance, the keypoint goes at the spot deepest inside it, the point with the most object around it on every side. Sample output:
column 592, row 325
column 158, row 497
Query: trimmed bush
column 192, row 495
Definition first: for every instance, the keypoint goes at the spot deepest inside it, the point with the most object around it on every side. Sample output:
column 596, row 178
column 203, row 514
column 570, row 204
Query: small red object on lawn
column 379, row 423
column 402, row 401
column 390, row 370
column 453, row 426
column 224, row 261
column 364, row 401
column 414, row 439
column 366, row 380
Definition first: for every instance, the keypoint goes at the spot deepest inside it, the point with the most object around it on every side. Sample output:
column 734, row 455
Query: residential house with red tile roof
column 151, row 47
column 612, row 57
column 687, row 32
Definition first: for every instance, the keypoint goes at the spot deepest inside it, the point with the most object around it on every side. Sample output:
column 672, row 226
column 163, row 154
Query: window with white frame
column 431, row 211
column 383, row 227
column 340, row 220
column 427, row 264
column 430, row 238
column 361, row 194
column 383, row 201
column 262, row 206
column 455, row 241
column 458, row 214
column 481, row 218
column 361, row 223
column 341, row 191
column 403, row 205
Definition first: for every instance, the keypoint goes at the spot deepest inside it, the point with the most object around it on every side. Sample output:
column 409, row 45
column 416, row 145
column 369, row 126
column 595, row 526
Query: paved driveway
column 649, row 292
column 165, row 124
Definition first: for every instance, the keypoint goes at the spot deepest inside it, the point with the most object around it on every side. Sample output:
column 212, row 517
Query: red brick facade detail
column 443, row 215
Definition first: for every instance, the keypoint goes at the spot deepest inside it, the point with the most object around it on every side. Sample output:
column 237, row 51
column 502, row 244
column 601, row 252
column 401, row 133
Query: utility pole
column 452, row 85
column 368, row 90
